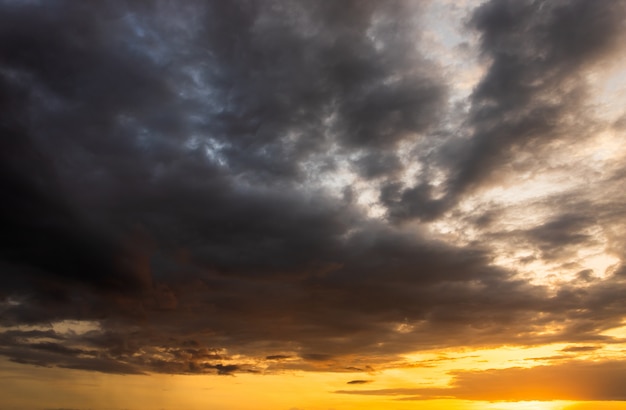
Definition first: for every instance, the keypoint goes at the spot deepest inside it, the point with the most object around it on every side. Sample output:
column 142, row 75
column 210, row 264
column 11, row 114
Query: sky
column 313, row 205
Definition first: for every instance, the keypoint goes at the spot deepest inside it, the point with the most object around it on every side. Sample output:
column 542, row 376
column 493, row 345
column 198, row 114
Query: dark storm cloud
column 43, row 232
column 434, row 310
column 577, row 349
column 68, row 359
column 533, row 94
column 225, row 370
column 141, row 153
column 277, row 357
column 317, row 357
column 166, row 174
column 539, row 51
column 294, row 78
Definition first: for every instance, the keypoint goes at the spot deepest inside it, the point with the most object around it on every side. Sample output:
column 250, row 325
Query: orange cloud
column 581, row 381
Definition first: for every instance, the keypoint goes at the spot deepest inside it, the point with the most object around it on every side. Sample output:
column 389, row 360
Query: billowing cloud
column 224, row 187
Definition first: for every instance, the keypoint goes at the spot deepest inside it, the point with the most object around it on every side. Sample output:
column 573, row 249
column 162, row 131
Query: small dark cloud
column 359, row 381
column 585, row 275
column 277, row 357
column 59, row 348
column 225, row 370
column 317, row 357
column 550, row 358
column 101, row 365
column 377, row 164
column 354, row 369
column 578, row 349
column 32, row 362
column 565, row 231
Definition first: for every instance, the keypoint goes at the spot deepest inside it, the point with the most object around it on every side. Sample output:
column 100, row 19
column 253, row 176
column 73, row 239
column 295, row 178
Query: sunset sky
column 313, row 205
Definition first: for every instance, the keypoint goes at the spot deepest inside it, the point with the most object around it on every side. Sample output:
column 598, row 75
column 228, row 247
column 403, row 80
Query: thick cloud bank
column 302, row 184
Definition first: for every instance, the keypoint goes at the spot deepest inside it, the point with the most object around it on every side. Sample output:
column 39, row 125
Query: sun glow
column 528, row 405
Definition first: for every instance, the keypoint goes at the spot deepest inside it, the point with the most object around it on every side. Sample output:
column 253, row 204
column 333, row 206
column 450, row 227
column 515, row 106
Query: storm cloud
column 224, row 187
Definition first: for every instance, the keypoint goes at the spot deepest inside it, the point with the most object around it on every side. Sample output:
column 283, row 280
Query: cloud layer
column 221, row 187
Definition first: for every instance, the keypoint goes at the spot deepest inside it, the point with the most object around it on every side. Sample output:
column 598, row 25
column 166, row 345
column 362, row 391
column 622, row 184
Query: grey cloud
column 67, row 358
column 317, row 357
column 533, row 93
column 377, row 164
column 277, row 357
column 164, row 176
column 101, row 365
column 225, row 370
column 299, row 76
column 564, row 229
column 136, row 166
column 58, row 348
column 558, row 238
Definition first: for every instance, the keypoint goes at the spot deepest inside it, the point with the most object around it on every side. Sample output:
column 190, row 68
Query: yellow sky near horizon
column 27, row 387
